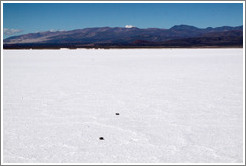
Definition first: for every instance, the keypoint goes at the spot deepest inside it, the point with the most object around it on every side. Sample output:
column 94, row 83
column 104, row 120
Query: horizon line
column 53, row 30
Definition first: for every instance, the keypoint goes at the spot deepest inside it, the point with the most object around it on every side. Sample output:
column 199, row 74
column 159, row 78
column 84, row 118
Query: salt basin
column 174, row 106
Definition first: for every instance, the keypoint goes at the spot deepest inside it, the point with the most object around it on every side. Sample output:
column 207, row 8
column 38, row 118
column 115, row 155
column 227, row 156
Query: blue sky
column 21, row 18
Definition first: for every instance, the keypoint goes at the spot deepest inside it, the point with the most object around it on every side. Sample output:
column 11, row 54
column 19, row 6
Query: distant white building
column 129, row 26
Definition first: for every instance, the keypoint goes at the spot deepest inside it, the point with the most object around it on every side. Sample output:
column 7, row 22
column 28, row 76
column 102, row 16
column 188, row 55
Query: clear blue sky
column 33, row 17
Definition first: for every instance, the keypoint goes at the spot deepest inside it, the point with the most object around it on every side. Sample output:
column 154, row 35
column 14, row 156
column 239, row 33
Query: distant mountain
column 176, row 36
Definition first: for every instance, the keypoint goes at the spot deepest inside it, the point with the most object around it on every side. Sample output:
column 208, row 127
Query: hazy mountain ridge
column 132, row 37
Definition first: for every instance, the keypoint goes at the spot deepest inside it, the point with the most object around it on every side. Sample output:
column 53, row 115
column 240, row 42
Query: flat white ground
column 175, row 105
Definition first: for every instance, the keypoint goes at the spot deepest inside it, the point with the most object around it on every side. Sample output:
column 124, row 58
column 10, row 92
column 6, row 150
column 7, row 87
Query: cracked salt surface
column 175, row 105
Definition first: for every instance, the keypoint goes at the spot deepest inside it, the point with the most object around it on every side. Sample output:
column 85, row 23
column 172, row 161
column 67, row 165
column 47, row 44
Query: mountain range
column 133, row 37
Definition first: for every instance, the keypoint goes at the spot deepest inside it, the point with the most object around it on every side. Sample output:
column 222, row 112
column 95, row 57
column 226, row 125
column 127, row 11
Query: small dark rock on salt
column 117, row 113
column 101, row 138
